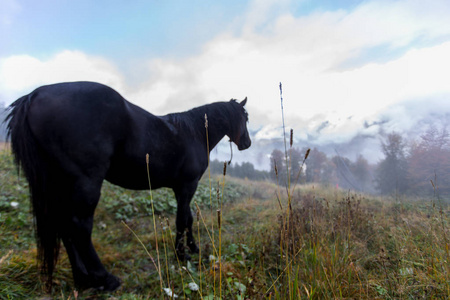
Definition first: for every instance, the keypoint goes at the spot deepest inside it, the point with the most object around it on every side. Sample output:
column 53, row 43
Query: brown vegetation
column 4, row 146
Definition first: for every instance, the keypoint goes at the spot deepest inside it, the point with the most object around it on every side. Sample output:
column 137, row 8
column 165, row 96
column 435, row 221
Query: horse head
column 239, row 134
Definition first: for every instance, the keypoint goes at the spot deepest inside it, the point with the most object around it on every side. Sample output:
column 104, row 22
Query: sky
column 351, row 71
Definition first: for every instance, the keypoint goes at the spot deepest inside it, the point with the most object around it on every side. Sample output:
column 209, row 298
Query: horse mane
column 193, row 120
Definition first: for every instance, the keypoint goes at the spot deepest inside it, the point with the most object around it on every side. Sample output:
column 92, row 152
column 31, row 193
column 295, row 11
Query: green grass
column 331, row 244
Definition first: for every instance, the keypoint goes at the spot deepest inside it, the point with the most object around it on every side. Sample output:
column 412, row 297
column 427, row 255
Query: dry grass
column 331, row 244
column 4, row 146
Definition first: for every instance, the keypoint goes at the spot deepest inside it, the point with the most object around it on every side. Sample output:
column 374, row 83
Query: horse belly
column 124, row 173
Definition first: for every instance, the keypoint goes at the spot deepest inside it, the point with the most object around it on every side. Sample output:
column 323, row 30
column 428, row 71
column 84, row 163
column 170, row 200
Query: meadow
column 258, row 240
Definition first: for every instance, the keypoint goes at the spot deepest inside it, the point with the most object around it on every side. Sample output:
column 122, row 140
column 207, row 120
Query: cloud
column 307, row 54
column 334, row 81
column 22, row 73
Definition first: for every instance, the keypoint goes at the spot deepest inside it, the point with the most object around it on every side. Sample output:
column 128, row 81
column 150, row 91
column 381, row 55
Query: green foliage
column 126, row 205
column 15, row 218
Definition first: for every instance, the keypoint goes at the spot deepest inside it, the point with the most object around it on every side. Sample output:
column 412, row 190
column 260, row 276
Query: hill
column 312, row 243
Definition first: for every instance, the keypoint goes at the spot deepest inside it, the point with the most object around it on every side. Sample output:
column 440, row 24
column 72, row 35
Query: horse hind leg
column 184, row 220
column 189, row 234
column 88, row 271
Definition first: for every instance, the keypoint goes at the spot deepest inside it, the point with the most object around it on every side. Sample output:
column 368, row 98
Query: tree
column 247, row 170
column 296, row 160
column 244, row 170
column 329, row 173
column 361, row 172
column 429, row 159
column 278, row 166
column 344, row 175
column 392, row 171
column 315, row 165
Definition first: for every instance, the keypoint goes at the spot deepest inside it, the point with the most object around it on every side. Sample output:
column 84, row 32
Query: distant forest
column 418, row 167
column 317, row 168
column 243, row 170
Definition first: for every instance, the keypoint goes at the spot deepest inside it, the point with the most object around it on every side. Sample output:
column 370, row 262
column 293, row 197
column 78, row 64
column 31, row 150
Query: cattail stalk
column 165, row 249
column 301, row 169
column 284, row 133
column 207, row 230
column 219, row 223
column 210, row 191
column 147, row 160
column 286, row 219
column 199, row 250
column 174, row 250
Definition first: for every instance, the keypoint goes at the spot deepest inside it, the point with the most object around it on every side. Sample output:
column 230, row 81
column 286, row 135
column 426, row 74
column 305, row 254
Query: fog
column 409, row 119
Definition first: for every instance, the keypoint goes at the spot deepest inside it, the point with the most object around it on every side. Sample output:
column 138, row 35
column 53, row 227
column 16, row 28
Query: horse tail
column 32, row 159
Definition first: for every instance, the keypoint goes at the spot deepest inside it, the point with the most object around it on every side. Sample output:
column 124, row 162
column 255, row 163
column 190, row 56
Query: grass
column 3, row 146
column 333, row 244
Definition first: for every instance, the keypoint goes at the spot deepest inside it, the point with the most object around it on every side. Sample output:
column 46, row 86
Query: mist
column 410, row 119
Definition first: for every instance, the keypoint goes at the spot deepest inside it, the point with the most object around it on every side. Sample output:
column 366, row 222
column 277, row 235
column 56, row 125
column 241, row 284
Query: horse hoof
column 182, row 257
column 111, row 283
column 194, row 249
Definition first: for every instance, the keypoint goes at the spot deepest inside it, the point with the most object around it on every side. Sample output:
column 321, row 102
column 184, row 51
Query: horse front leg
column 185, row 220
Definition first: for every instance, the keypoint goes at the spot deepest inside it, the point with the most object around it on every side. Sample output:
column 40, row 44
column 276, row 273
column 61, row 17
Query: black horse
column 69, row 137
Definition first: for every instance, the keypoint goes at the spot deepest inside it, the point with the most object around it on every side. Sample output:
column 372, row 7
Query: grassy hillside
column 310, row 243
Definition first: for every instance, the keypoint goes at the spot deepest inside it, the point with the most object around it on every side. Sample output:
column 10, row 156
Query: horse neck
column 218, row 122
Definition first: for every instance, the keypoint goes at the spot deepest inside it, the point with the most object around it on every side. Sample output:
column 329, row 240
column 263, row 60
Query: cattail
column 307, row 153
column 147, row 158
column 161, row 223
column 218, row 218
column 198, row 213
column 279, row 202
column 206, row 121
column 224, row 168
column 275, row 167
column 292, row 137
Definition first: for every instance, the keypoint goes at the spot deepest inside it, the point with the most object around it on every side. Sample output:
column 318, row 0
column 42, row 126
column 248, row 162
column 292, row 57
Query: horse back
column 79, row 125
column 74, row 113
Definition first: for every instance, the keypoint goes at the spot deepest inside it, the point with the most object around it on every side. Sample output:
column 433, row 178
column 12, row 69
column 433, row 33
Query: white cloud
column 308, row 54
column 22, row 73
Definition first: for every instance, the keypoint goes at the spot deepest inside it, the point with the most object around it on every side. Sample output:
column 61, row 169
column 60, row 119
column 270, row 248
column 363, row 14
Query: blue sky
column 122, row 30
column 115, row 29
column 343, row 64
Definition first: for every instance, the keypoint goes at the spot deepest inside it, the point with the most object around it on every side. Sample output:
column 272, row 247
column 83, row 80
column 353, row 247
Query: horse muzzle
column 244, row 144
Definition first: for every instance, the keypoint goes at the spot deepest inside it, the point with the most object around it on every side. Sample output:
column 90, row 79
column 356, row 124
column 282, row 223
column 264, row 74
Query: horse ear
column 243, row 102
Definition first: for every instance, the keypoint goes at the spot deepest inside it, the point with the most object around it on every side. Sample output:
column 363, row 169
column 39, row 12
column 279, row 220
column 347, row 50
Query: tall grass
column 341, row 245
column 326, row 244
